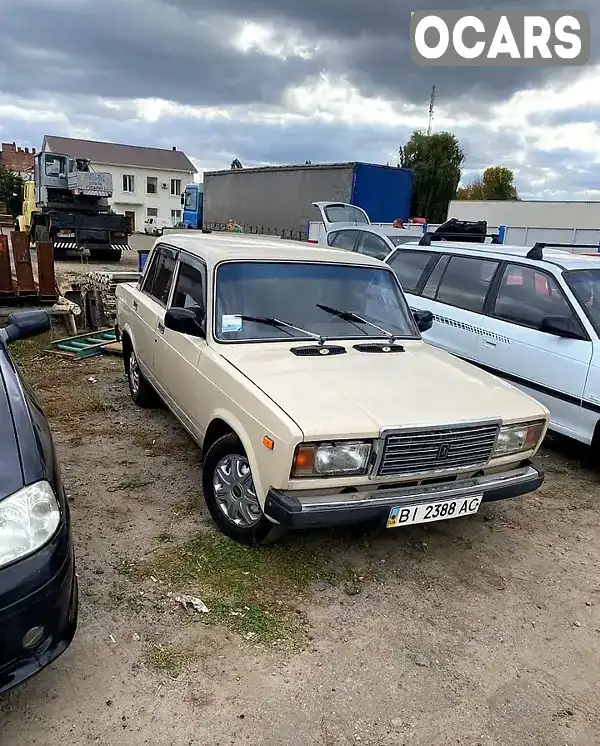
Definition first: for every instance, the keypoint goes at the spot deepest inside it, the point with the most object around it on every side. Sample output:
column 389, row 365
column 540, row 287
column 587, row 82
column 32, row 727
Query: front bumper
column 301, row 510
column 38, row 590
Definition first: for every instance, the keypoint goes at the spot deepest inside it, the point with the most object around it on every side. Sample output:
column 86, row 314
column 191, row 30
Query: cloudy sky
column 282, row 81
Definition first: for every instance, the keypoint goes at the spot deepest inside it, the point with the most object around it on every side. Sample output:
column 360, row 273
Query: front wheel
column 230, row 494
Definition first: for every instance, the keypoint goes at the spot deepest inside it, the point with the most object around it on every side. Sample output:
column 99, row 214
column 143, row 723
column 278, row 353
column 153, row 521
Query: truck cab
column 192, row 201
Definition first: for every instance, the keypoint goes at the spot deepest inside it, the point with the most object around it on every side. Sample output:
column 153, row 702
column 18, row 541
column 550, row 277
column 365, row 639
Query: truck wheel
column 140, row 389
column 230, row 495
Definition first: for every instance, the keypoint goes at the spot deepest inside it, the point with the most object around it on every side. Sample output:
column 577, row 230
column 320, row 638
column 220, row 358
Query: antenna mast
column 431, row 105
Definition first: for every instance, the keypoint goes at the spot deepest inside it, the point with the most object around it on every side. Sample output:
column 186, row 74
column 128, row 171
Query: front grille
column 438, row 449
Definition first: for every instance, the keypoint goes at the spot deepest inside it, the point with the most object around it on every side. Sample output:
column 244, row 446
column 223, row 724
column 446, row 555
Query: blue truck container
column 278, row 199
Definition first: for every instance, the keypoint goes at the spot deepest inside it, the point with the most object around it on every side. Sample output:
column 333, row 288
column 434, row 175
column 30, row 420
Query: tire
column 140, row 389
column 235, row 509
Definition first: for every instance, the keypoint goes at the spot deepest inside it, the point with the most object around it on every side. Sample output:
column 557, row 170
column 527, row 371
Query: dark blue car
column 38, row 585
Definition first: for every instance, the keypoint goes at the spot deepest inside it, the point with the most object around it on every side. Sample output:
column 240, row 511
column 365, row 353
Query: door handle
column 135, row 305
column 160, row 327
column 489, row 343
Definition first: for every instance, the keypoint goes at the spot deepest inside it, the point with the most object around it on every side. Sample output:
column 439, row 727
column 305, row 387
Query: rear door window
column 466, row 282
column 159, row 279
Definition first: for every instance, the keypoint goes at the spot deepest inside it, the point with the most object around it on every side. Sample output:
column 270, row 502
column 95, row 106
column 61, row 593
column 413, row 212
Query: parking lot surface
column 475, row 631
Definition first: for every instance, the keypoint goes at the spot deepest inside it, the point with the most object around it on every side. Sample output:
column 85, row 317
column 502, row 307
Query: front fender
column 241, row 432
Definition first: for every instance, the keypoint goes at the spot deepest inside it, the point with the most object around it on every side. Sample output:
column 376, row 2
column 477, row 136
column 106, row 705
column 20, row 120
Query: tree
column 436, row 160
column 497, row 182
column 11, row 185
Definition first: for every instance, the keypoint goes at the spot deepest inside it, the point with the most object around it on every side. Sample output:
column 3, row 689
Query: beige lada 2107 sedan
column 302, row 375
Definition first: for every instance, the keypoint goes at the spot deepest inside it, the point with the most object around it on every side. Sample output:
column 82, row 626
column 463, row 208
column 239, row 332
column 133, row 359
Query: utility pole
column 431, row 105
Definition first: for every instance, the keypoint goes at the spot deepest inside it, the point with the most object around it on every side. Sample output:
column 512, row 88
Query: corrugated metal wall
column 274, row 199
column 384, row 192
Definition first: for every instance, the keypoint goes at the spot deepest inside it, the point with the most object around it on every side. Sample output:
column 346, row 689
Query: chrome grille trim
column 445, row 449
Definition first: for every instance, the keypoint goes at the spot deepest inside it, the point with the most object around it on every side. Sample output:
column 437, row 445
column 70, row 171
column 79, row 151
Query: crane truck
column 71, row 208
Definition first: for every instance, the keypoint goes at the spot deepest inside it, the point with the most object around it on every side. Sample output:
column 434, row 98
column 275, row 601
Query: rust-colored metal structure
column 17, row 283
column 46, row 276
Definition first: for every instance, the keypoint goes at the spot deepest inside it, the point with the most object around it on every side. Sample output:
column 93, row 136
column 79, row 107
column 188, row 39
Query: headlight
column 518, row 438
column 330, row 459
column 28, row 519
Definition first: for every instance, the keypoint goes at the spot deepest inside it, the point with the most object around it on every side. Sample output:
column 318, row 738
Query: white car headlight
column 331, row 459
column 28, row 519
column 518, row 438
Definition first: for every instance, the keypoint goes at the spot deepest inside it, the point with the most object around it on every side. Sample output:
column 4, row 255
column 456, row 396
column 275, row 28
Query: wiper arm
column 279, row 324
column 354, row 317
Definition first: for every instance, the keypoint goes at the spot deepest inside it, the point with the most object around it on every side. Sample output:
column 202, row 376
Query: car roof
column 382, row 230
column 556, row 257
column 214, row 248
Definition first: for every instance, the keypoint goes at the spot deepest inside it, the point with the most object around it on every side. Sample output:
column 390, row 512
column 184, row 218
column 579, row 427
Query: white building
column 147, row 182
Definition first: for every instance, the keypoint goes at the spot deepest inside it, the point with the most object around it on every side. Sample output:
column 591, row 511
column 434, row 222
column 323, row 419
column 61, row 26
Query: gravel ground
column 476, row 631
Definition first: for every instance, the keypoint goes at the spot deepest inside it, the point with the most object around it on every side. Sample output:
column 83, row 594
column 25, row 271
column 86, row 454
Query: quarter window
column 160, row 277
column 526, row 296
column 409, row 267
column 466, row 282
column 372, row 245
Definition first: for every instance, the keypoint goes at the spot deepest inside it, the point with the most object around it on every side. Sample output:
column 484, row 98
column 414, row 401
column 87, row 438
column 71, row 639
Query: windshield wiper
column 355, row 318
column 279, row 324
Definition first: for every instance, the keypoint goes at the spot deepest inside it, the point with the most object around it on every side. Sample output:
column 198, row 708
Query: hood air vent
column 379, row 347
column 318, row 350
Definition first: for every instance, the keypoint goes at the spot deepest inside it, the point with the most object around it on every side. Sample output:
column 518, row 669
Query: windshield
column 399, row 240
column 585, row 284
column 249, row 295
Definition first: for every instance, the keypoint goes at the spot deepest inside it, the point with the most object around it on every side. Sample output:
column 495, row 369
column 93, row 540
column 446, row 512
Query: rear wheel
column 230, row 494
column 140, row 389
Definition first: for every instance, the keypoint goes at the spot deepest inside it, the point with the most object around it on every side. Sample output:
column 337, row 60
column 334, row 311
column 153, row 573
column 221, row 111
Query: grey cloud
column 570, row 116
column 178, row 49
column 214, row 143
column 126, row 49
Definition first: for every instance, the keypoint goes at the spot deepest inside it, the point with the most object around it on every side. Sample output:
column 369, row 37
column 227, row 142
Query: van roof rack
column 537, row 252
column 426, row 239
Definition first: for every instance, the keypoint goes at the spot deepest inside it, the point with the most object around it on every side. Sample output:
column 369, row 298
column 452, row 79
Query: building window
column 175, row 187
column 128, row 183
column 152, row 212
column 151, row 184
column 175, row 216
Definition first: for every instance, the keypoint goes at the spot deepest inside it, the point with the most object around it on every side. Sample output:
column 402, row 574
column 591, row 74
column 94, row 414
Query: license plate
column 442, row 511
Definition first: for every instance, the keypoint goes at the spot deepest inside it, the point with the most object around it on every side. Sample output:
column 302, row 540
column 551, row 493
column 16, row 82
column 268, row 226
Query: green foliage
column 11, row 185
column 436, row 160
column 497, row 182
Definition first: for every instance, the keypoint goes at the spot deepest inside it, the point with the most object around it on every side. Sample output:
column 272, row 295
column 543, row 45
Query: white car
column 155, row 226
column 349, row 228
column 530, row 316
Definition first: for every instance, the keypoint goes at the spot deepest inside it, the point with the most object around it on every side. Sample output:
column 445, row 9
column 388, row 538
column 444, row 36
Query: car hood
column 359, row 393
column 11, row 473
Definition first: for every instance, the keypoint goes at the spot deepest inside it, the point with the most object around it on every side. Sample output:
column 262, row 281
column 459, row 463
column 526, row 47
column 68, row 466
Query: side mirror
column 424, row 320
column 25, row 324
column 184, row 321
column 561, row 326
